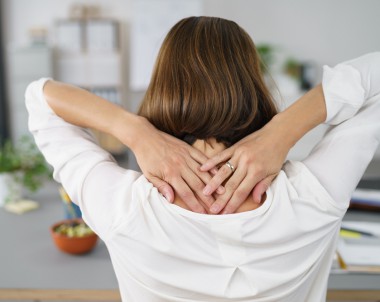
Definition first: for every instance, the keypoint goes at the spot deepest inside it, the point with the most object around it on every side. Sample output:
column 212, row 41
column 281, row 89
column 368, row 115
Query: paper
column 363, row 253
column 364, row 226
column 21, row 207
column 366, row 196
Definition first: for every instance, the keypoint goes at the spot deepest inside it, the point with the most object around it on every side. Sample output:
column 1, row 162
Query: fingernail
column 215, row 208
column 167, row 196
column 203, row 167
column 220, row 190
column 257, row 200
column 207, row 190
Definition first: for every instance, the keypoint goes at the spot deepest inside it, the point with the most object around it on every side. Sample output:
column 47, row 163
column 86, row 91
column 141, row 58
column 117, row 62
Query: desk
column 30, row 261
column 31, row 268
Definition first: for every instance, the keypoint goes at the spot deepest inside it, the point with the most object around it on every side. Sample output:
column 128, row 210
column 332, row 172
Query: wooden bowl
column 73, row 245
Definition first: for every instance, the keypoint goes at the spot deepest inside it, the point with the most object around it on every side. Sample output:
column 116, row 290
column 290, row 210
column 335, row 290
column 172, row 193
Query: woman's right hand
column 169, row 163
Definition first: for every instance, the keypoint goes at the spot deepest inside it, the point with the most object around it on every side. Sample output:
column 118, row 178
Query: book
column 360, row 253
column 367, row 195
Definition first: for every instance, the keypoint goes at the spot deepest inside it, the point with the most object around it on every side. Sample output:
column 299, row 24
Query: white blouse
column 281, row 251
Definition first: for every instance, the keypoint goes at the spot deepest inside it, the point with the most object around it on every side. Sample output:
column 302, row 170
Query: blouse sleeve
column 84, row 169
column 352, row 96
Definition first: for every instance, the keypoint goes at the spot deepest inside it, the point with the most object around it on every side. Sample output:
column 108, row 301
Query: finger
column 217, row 159
column 197, row 185
column 223, row 173
column 231, row 186
column 197, row 155
column 213, row 171
column 188, row 197
column 220, row 189
column 163, row 187
column 239, row 196
column 262, row 187
column 200, row 158
column 205, row 177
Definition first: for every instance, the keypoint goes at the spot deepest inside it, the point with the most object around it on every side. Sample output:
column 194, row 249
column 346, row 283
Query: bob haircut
column 207, row 83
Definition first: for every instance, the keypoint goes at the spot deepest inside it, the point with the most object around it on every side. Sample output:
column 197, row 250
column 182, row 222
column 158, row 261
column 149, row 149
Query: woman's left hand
column 168, row 162
column 253, row 164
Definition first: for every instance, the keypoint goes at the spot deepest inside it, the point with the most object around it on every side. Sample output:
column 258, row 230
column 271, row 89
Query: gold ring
column 229, row 165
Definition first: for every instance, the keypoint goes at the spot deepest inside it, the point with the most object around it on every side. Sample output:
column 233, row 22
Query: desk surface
column 29, row 259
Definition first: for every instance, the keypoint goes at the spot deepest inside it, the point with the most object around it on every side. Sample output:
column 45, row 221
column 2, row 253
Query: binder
column 366, row 196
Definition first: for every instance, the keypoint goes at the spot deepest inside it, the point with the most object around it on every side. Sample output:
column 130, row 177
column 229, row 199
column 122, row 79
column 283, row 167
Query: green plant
column 24, row 157
column 292, row 67
column 74, row 229
column 266, row 53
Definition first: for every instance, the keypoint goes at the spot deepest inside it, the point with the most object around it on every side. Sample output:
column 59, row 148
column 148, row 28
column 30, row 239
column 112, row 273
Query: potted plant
column 21, row 166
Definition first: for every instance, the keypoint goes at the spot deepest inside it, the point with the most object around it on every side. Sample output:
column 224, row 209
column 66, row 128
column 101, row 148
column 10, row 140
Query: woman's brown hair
column 207, row 83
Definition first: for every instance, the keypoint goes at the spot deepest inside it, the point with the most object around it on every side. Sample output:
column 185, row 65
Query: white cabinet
column 88, row 55
column 25, row 65
column 90, row 69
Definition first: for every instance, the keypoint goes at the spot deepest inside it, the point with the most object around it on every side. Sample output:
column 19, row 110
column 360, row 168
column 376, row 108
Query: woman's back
column 278, row 252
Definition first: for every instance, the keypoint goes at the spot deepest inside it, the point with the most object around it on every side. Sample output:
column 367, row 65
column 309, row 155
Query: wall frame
column 4, row 127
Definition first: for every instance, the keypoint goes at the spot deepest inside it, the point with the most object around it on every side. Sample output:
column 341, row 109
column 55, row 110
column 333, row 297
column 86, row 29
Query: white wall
column 323, row 31
column 22, row 14
column 327, row 31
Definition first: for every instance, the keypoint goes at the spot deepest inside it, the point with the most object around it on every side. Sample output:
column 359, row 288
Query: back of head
column 207, row 83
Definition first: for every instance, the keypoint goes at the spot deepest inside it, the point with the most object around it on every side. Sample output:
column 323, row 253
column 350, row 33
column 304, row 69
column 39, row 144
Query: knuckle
column 214, row 183
column 231, row 185
column 161, row 186
column 229, row 209
column 260, row 170
column 240, row 194
column 198, row 186
column 219, row 155
column 221, row 201
column 177, row 160
column 168, row 170
column 267, row 181
column 187, row 195
column 225, row 170
column 169, row 174
column 199, row 209
column 242, row 150
column 248, row 159
column 195, row 206
column 208, row 200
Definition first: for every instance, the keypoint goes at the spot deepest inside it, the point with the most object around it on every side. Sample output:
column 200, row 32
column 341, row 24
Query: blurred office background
column 109, row 47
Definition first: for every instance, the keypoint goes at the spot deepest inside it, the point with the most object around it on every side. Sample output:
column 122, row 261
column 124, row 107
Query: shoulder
column 307, row 187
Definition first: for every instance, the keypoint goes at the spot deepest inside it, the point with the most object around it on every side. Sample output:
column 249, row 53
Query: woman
column 279, row 249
